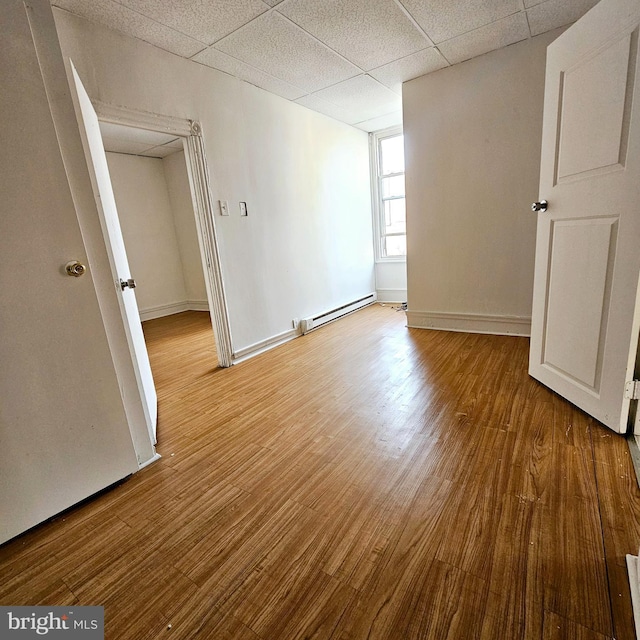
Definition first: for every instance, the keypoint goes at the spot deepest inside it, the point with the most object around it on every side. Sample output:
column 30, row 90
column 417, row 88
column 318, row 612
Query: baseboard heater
column 307, row 324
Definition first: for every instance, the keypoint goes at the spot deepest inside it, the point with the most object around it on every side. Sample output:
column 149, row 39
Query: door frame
column 197, row 169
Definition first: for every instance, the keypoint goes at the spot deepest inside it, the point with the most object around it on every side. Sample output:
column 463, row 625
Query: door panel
column 591, row 139
column 99, row 172
column 587, row 262
column 63, row 428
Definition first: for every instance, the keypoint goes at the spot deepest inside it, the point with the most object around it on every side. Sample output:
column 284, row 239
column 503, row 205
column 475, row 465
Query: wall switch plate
column 243, row 209
column 224, row 207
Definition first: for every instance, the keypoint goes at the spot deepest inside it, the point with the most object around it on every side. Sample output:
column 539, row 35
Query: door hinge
column 632, row 390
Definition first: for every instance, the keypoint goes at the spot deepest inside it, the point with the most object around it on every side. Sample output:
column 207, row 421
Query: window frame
column 375, row 140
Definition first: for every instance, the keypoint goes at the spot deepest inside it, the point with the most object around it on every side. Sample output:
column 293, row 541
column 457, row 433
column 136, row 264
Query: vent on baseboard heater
column 307, row 324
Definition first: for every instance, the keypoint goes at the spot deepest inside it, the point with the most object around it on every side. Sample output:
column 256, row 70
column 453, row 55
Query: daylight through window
column 390, row 198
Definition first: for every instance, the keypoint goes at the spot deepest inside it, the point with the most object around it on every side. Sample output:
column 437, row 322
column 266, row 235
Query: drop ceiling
column 344, row 58
column 138, row 142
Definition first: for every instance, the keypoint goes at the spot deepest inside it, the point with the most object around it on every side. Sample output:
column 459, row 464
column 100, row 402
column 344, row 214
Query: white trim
column 470, row 323
column 197, row 170
column 632, row 567
column 376, row 199
column 142, row 465
column 163, row 310
column 264, row 345
column 208, row 240
column 142, row 119
column 392, row 295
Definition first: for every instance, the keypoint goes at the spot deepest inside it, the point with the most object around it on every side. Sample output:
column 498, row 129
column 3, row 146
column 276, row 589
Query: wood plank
column 363, row 481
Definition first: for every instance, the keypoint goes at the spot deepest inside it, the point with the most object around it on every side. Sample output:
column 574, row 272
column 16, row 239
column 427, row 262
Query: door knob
column 74, row 268
column 540, row 206
column 131, row 283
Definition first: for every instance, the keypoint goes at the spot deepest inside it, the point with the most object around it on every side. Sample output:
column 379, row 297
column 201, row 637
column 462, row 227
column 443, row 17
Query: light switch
column 243, row 209
column 224, row 207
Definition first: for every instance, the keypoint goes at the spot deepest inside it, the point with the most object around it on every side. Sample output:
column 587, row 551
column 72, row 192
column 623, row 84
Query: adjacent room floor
column 363, row 481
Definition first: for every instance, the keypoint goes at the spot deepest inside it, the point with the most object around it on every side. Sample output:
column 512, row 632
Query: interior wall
column 391, row 281
column 147, row 223
column 177, row 179
column 306, row 245
column 472, row 147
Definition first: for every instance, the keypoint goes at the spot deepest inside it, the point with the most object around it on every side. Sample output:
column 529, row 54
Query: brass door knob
column 75, row 269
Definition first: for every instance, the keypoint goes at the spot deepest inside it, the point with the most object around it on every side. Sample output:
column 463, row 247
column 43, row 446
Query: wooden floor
column 363, row 481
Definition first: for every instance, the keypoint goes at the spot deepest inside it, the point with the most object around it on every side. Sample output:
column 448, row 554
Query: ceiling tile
column 494, row 36
column 362, row 96
column 282, row 49
column 124, row 146
column 367, row 33
column 273, row 3
column 141, row 136
column 315, row 103
column 219, row 60
column 204, row 20
column 418, row 64
column 382, row 122
column 532, row 3
column 556, row 13
column 161, row 151
column 131, row 23
column 444, row 19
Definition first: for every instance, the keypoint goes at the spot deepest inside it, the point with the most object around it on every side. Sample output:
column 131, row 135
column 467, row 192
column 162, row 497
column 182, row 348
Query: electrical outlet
column 295, row 322
column 224, row 207
column 243, row 209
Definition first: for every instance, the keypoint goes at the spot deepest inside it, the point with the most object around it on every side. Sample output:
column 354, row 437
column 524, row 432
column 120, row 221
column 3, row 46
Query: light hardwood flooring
column 363, row 481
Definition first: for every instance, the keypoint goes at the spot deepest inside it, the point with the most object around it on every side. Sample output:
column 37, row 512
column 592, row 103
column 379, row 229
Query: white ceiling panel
column 280, row 48
column 219, row 60
column 556, row 13
column 132, row 23
column 141, row 136
column 382, row 122
column 159, row 152
column 344, row 58
column 445, row 19
column 367, row 33
column 363, row 96
column 124, row 146
column 315, row 103
column 204, row 20
column 493, row 36
column 392, row 75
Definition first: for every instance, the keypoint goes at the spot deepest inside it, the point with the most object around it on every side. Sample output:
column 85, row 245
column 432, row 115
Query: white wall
column 306, row 245
column 146, row 219
column 472, row 145
column 391, row 281
column 175, row 173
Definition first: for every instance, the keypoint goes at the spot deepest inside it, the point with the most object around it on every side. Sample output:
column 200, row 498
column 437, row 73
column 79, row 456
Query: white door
column 103, row 190
column 64, row 433
column 583, row 334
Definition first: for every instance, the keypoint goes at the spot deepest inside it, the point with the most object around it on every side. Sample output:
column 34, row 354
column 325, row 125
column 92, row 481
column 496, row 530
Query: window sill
column 385, row 260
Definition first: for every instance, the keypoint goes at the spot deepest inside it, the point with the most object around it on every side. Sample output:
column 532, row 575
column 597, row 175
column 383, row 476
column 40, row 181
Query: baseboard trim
column 175, row 307
column 470, row 323
column 264, row 345
column 392, row 295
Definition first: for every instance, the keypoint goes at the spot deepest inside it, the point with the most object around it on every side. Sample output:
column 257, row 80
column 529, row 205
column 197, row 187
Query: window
column 388, row 195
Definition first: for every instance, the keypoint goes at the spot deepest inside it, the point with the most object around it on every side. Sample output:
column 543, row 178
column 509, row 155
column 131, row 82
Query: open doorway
column 150, row 182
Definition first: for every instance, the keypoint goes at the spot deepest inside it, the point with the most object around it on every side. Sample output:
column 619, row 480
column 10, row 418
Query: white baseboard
column 175, row 307
column 264, row 345
column 470, row 323
column 392, row 295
